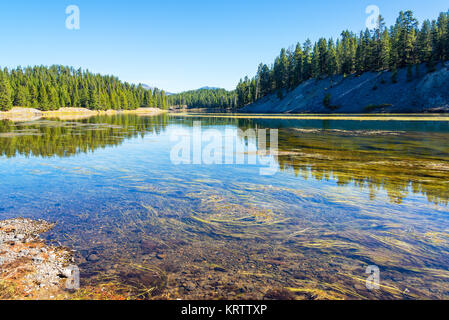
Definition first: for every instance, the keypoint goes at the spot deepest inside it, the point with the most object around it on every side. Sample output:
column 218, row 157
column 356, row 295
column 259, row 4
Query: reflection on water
column 349, row 194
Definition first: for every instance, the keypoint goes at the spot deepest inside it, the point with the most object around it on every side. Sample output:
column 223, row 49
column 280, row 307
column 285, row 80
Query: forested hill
column 405, row 45
column 386, row 51
column 50, row 88
column 205, row 98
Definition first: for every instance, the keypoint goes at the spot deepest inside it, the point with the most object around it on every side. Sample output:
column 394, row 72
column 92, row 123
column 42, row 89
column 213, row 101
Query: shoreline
column 352, row 117
column 26, row 114
column 32, row 269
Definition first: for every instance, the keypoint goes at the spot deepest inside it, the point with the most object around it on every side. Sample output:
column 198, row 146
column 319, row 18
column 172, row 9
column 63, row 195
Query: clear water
column 348, row 194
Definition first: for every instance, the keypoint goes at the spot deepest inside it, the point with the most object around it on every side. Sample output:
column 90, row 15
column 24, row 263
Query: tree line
column 205, row 98
column 51, row 88
column 405, row 44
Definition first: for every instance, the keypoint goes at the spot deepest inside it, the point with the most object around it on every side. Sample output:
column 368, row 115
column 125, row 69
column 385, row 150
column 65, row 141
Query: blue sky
column 179, row 45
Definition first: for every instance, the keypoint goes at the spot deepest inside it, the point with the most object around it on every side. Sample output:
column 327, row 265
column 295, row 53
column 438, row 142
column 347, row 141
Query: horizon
column 203, row 49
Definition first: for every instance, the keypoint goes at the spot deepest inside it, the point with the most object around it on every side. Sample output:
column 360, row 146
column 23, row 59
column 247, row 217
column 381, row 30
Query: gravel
column 27, row 263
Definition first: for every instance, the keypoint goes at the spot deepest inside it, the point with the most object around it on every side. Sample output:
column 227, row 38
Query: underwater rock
column 150, row 246
column 93, row 258
column 220, row 269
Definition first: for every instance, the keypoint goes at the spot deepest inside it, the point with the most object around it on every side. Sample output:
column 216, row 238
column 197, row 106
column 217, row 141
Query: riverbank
column 368, row 93
column 27, row 114
column 31, row 269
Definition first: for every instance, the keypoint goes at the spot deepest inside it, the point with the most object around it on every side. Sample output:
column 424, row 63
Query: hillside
column 371, row 92
column 55, row 87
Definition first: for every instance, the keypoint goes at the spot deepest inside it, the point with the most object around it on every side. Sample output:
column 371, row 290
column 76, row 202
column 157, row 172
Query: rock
column 9, row 229
column 220, row 269
column 150, row 246
column 20, row 236
column 38, row 259
column 160, row 256
column 189, row 286
column 93, row 258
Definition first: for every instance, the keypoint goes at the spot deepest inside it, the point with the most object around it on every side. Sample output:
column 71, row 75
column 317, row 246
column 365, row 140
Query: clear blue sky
column 179, row 45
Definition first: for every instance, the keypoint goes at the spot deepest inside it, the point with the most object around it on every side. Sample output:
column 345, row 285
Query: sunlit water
column 348, row 194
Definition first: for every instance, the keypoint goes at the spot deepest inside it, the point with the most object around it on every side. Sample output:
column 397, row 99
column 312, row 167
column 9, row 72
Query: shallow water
column 349, row 193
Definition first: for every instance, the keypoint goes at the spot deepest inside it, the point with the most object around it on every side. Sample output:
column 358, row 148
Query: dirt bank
column 367, row 93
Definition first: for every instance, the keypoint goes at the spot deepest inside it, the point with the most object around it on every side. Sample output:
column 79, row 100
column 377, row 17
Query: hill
column 371, row 92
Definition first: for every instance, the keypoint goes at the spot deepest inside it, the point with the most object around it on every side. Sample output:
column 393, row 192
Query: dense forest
column 404, row 45
column 50, row 88
column 205, row 98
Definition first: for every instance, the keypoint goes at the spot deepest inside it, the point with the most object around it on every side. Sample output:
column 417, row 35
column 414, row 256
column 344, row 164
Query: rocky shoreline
column 29, row 268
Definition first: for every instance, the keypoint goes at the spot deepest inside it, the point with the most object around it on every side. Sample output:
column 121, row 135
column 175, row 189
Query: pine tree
column 441, row 36
column 42, row 96
column 33, row 96
column 53, row 99
column 5, row 92
column 331, row 59
column 446, row 38
column 21, row 97
column 307, row 60
column 434, row 57
column 298, row 66
column 346, row 52
column 315, row 64
column 385, row 51
column 323, row 57
column 424, row 42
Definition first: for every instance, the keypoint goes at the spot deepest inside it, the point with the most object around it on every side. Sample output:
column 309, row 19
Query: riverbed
column 343, row 195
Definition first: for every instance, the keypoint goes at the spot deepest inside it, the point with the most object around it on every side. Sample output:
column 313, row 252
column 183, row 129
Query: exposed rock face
column 368, row 93
column 30, row 269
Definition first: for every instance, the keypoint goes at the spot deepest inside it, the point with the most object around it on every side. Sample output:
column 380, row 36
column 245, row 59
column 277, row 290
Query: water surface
column 349, row 193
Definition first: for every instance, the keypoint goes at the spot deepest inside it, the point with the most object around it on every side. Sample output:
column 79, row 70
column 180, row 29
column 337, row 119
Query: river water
column 337, row 208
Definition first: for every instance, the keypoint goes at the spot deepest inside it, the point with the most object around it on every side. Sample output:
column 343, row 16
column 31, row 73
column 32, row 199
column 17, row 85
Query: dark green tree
column 5, row 92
